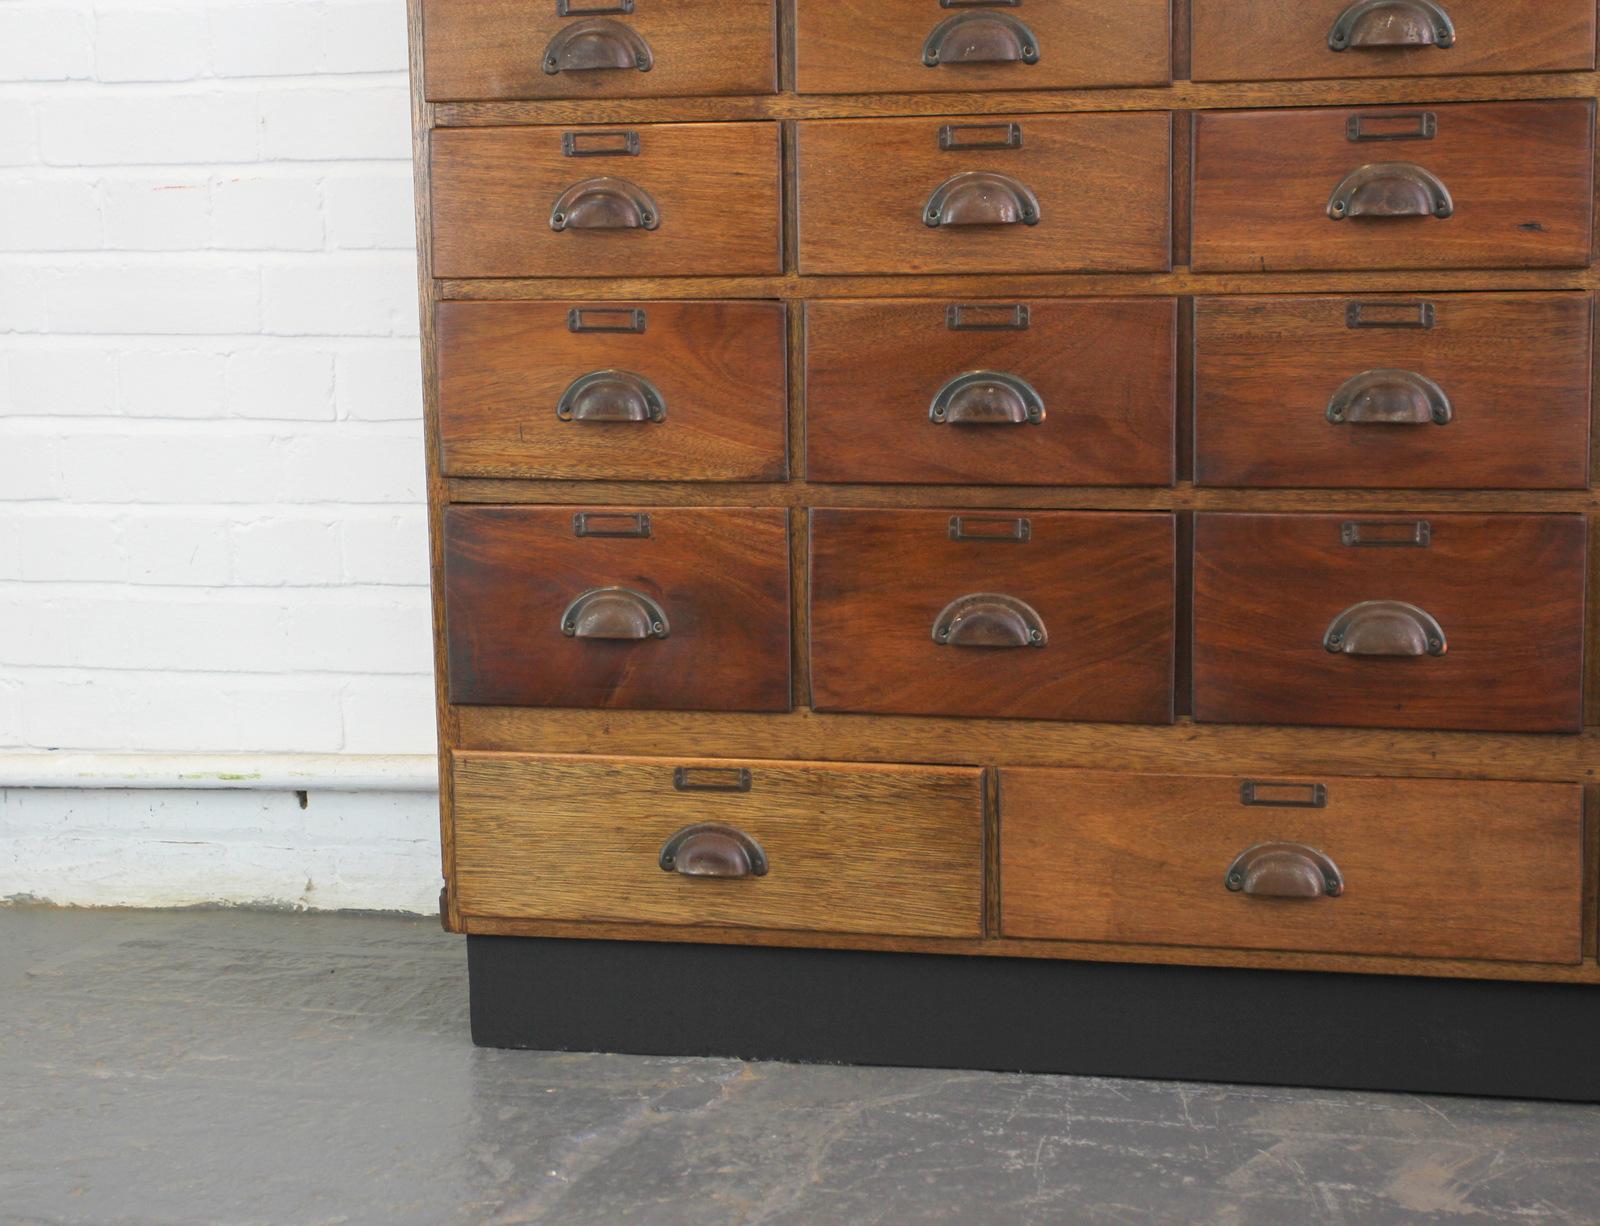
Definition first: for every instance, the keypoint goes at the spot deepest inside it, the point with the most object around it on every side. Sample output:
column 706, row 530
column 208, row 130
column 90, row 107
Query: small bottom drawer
column 1442, row 869
column 892, row 850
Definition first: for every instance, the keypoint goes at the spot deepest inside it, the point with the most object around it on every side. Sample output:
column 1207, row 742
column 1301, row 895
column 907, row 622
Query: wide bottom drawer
column 891, row 850
column 1446, row 869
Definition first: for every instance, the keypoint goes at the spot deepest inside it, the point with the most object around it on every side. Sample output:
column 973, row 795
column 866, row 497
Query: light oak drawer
column 1044, row 615
column 631, row 391
column 1441, row 391
column 889, row 850
column 598, row 48
column 1469, row 185
column 1269, row 40
column 1438, row 869
column 656, row 200
column 1385, row 621
column 1029, row 193
column 678, row 608
column 913, row 46
column 1043, row 392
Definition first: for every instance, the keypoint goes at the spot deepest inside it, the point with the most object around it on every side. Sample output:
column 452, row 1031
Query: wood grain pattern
column 874, row 849
column 719, row 367
column 1516, row 369
column 1438, row 869
column 1508, row 591
column 847, row 46
column 1239, row 40
column 716, row 185
column 481, row 49
column 1520, row 173
column 1101, row 181
column 1102, row 583
column 720, row 575
column 1104, row 369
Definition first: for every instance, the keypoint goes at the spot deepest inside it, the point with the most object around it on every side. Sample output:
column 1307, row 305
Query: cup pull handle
column 597, row 45
column 614, row 613
column 1390, row 398
column 980, row 38
column 1385, row 628
column 989, row 619
column 1284, row 870
column 987, row 398
column 1391, row 189
column 1392, row 23
column 606, row 203
column 711, row 849
column 611, row 396
column 981, row 198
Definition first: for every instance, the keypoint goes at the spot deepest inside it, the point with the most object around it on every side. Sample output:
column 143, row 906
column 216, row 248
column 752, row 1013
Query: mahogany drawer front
column 675, row 608
column 577, row 49
column 1405, row 392
column 1268, row 40
column 1512, row 183
column 630, row 391
column 894, row 850
column 1445, row 621
column 912, row 46
column 1422, row 868
column 1045, row 392
column 661, row 200
column 1049, row 615
column 1029, row 193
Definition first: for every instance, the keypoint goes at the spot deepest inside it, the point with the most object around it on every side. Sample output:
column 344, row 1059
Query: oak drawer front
column 1052, row 193
column 631, row 391
column 1469, row 185
column 1440, row 869
column 912, row 46
column 1383, row 621
column 1404, row 392
column 581, row 49
column 893, row 850
column 1045, row 615
column 1045, row 392
column 676, row 608
column 1267, row 40
column 673, row 199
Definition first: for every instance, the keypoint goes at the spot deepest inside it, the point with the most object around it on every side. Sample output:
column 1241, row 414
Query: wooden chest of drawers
column 1023, row 485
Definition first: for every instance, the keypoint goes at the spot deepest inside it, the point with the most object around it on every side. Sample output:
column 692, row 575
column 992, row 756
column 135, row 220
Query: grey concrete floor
column 234, row 1067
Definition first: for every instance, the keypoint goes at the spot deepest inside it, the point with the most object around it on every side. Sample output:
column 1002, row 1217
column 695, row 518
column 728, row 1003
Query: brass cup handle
column 611, row 396
column 1392, row 23
column 980, row 38
column 987, row 398
column 605, row 203
column 1385, row 628
column 1284, row 870
column 1390, row 398
column 711, row 849
column 989, row 619
column 981, row 198
column 597, row 45
column 1391, row 189
column 614, row 613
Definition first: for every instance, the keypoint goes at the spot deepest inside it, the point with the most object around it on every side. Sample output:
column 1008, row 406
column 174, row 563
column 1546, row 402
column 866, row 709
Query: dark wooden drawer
column 912, row 46
column 1439, row 869
column 578, row 49
column 1516, row 179
column 635, row 391
column 1268, row 40
column 664, row 200
column 1404, row 392
column 1032, row 193
column 896, row 850
column 1443, row 621
column 674, row 608
column 1049, row 615
column 1046, row 392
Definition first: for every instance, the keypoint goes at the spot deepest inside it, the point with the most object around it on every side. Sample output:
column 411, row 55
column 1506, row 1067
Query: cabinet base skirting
column 1358, row 1032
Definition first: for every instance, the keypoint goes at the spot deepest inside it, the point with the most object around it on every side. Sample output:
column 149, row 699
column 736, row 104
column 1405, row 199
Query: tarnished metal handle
column 606, row 203
column 1284, row 870
column 987, row 398
column 980, row 38
column 1385, row 628
column 989, row 619
column 614, row 613
column 1390, row 398
column 1391, row 189
column 981, row 198
column 710, row 849
column 1392, row 23
column 597, row 45
column 611, row 396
